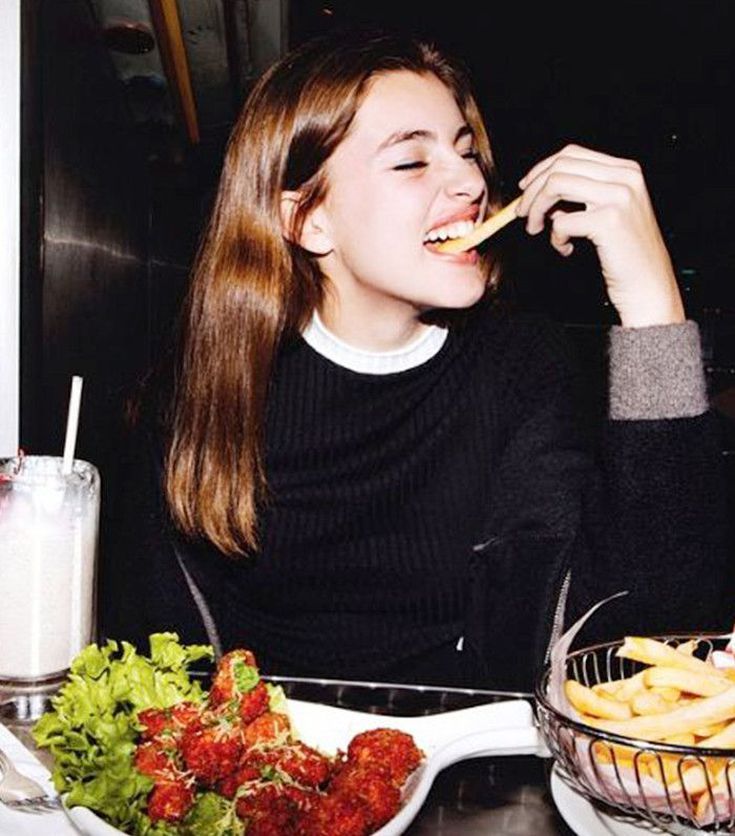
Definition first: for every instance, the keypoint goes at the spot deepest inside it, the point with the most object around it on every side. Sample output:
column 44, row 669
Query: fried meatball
column 211, row 753
column 274, row 808
column 372, row 784
column 247, row 771
column 154, row 721
column 153, row 760
column 300, row 762
column 392, row 748
column 232, row 675
column 265, row 729
column 170, row 800
column 253, row 703
column 273, row 827
column 336, row 815
column 172, row 721
column 185, row 713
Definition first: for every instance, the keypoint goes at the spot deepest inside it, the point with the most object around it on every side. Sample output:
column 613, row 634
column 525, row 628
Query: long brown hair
column 251, row 286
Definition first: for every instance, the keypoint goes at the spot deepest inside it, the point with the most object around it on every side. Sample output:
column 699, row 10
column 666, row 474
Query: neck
column 382, row 330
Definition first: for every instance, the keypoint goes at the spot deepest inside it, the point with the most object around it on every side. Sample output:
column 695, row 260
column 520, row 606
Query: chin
column 461, row 296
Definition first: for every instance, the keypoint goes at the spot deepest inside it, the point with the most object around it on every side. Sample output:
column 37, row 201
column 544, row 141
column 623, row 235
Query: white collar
column 423, row 348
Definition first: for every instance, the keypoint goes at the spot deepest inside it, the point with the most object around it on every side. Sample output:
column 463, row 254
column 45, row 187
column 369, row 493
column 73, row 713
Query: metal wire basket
column 668, row 786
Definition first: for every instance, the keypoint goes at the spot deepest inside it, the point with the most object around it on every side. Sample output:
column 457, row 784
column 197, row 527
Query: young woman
column 363, row 469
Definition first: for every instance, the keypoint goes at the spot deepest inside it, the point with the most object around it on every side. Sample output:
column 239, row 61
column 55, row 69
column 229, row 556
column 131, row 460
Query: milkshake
column 48, row 549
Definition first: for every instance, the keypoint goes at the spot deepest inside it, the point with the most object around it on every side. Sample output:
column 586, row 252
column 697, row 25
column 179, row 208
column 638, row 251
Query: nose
column 464, row 179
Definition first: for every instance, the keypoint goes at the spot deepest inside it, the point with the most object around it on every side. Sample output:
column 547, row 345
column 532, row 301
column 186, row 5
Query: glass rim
column 46, row 469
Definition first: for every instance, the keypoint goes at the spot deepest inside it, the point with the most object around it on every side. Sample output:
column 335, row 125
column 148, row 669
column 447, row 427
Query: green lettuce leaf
column 92, row 728
column 213, row 815
column 277, row 701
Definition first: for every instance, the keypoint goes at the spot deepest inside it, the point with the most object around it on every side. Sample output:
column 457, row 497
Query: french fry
column 724, row 739
column 703, row 803
column 687, row 739
column 702, row 712
column 588, row 719
column 653, row 652
column 646, row 702
column 701, row 684
column 612, row 753
column 710, row 731
column 607, row 689
column 720, row 784
column 694, row 777
column 665, row 768
column 587, row 701
column 670, row 694
column 630, row 686
column 487, row 228
column 688, row 647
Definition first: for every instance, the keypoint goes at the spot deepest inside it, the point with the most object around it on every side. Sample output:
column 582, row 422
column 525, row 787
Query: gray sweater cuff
column 656, row 372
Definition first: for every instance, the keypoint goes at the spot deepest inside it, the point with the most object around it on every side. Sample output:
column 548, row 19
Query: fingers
column 577, row 152
column 582, row 168
column 560, row 237
column 572, row 174
column 617, row 217
column 568, row 225
column 575, row 189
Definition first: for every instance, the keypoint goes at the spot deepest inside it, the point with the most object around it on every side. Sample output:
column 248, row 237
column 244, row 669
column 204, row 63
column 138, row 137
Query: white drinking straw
column 72, row 423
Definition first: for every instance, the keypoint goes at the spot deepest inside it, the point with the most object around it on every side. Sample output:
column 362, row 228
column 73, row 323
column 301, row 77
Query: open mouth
column 447, row 232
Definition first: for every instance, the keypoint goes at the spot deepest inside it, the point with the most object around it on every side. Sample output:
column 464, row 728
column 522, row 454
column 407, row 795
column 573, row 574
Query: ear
column 314, row 236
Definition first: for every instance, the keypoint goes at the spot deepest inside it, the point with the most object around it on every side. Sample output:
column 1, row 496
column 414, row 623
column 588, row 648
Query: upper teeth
column 458, row 229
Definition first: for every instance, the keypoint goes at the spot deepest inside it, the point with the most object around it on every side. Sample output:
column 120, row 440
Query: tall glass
column 48, row 553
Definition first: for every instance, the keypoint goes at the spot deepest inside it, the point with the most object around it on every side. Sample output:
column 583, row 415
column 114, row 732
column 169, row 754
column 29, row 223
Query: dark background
column 113, row 207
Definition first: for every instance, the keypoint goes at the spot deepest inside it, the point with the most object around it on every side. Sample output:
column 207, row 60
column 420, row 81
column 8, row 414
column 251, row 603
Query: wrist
column 655, row 312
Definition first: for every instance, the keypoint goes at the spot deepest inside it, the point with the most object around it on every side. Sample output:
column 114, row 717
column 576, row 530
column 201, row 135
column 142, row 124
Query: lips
column 455, row 225
column 465, row 257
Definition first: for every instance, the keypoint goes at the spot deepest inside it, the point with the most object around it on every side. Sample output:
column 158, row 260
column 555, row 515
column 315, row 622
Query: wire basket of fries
column 649, row 729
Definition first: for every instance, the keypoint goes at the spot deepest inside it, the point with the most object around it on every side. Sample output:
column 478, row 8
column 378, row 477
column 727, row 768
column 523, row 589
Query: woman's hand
column 619, row 220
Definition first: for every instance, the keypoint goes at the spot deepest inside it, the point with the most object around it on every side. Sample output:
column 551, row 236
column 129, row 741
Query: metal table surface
column 502, row 795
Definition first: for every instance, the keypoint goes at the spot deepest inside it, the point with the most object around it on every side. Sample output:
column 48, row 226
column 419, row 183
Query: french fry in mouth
column 487, row 228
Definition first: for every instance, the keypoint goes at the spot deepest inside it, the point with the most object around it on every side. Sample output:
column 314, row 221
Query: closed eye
column 410, row 166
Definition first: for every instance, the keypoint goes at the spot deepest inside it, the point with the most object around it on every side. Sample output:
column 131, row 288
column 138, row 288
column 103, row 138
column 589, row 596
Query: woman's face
column 406, row 173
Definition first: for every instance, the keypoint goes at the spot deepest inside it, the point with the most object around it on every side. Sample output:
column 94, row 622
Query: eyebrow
column 407, row 136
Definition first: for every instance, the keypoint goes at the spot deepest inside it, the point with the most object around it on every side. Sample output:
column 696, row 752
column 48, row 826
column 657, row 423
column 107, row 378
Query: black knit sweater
column 411, row 510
